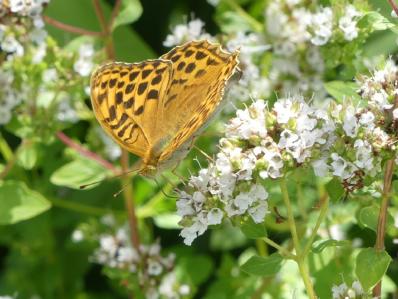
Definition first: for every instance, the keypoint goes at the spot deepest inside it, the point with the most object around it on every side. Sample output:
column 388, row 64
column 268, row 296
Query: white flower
column 320, row 167
column 321, row 24
column 154, row 268
column 84, row 64
column 5, row 115
column 77, row 236
column 214, row 216
column 395, row 113
column 350, row 125
column 193, row 30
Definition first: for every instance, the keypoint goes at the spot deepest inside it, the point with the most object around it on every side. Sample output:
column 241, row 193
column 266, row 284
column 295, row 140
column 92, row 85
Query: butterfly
column 156, row 108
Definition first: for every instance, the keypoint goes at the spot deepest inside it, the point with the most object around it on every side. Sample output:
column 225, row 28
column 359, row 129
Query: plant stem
column 300, row 199
column 257, row 26
column 70, row 28
column 85, row 152
column 325, row 204
column 290, row 215
column 301, row 259
column 129, row 201
column 283, row 250
column 82, row 208
column 394, row 6
column 381, row 225
column 5, row 149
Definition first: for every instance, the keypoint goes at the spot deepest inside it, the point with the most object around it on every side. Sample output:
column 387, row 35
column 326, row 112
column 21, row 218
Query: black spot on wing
column 129, row 88
column 188, row 53
column 200, row 55
column 200, row 73
column 129, row 103
column 142, row 87
column 145, row 73
column 181, row 65
column 112, row 83
column 190, row 67
column 119, row 97
column 139, row 110
column 156, row 80
column 133, row 75
column 153, row 94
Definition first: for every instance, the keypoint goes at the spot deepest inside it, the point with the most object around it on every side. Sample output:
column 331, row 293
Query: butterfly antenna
column 121, row 190
column 108, row 178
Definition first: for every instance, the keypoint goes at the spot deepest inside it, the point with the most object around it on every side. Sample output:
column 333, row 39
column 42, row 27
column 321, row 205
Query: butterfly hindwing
column 126, row 100
column 200, row 73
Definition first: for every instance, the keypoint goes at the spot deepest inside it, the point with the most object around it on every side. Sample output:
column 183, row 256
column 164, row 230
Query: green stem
column 321, row 217
column 281, row 249
column 82, row 208
column 262, row 248
column 381, row 225
column 290, row 215
column 5, row 149
column 301, row 259
column 300, row 198
column 257, row 26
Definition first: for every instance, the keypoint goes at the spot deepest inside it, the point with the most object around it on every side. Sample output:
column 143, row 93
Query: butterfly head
column 149, row 171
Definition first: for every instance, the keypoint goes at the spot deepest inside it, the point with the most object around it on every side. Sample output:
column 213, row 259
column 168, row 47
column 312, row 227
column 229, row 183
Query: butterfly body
column 156, row 108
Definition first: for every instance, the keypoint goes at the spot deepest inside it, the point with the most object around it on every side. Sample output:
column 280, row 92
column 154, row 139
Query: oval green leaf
column 371, row 266
column 78, row 173
column 18, row 202
column 130, row 11
column 263, row 266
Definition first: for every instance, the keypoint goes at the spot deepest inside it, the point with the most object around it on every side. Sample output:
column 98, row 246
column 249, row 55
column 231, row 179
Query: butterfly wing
column 200, row 72
column 126, row 99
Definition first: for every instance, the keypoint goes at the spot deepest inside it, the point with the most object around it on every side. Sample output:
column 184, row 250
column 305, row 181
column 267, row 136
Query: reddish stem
column 394, row 6
column 85, row 152
column 70, row 28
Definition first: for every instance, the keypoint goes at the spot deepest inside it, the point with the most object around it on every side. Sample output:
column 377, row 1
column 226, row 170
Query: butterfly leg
column 203, row 153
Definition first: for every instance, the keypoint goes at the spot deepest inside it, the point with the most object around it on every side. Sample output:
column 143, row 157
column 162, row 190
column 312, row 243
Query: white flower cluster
column 341, row 140
column 84, row 64
column 342, row 291
column 259, row 144
column 296, row 33
column 251, row 46
column 13, row 36
column 293, row 24
column 154, row 271
column 8, row 98
column 193, row 30
column 115, row 251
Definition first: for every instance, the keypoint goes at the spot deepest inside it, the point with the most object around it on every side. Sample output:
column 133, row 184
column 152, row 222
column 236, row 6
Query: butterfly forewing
column 126, row 100
column 156, row 108
column 200, row 73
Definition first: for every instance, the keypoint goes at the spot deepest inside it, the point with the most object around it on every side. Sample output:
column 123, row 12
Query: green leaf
column 342, row 90
column 377, row 21
column 253, row 230
column 18, row 202
column 320, row 245
column 197, row 267
column 334, row 189
column 27, row 156
column 371, row 266
column 263, row 266
column 77, row 173
column 167, row 221
column 369, row 216
column 130, row 11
